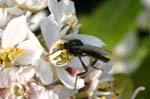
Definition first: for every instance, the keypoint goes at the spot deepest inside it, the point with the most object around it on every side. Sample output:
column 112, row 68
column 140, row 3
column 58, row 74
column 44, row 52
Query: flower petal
column 15, row 11
column 16, row 31
column 1, row 33
column 66, row 6
column 44, row 71
column 105, row 77
column 5, row 17
column 50, row 31
column 32, row 52
column 87, row 39
column 95, row 81
column 35, row 20
column 31, row 36
column 7, row 76
column 53, row 7
column 48, row 95
column 68, row 80
column 64, row 92
column 106, row 67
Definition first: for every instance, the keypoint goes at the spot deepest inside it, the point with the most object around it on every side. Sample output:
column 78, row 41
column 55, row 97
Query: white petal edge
column 32, row 52
column 15, row 32
column 53, row 7
column 50, row 31
column 68, row 80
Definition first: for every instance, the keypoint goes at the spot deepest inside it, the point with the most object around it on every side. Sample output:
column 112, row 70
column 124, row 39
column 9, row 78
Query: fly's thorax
column 59, row 56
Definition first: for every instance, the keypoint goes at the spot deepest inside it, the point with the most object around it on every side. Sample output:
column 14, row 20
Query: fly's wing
column 93, row 51
column 89, row 48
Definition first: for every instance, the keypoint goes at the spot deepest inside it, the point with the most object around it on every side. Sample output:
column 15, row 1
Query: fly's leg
column 80, row 74
column 93, row 63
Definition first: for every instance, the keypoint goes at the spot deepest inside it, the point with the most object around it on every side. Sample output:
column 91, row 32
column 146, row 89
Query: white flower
column 24, row 5
column 24, row 90
column 96, row 78
column 52, row 35
column 64, row 92
column 18, row 38
column 10, row 9
column 7, row 76
column 35, row 19
column 63, row 15
column 10, row 75
column 39, row 92
column 44, row 71
column 20, row 84
column 146, row 3
column 6, row 14
column 53, row 31
column 122, row 51
column 31, row 5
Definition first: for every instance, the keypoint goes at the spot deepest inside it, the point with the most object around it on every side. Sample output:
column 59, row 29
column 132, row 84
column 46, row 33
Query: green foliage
column 111, row 20
column 124, row 86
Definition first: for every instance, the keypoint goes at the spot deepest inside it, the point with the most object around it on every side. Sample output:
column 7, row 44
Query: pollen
column 104, row 97
column 19, row 89
column 72, row 21
column 115, row 97
column 8, row 55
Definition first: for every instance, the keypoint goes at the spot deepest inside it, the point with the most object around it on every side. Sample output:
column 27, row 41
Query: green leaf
column 111, row 20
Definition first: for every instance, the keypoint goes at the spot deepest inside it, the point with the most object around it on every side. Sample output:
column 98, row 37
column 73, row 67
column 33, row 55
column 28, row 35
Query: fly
column 77, row 48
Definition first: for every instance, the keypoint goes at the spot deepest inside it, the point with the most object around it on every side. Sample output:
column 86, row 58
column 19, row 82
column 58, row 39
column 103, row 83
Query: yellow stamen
column 9, row 54
column 115, row 97
column 72, row 21
column 103, row 97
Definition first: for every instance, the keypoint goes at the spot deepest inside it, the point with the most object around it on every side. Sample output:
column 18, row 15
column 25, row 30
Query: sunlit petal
column 16, row 31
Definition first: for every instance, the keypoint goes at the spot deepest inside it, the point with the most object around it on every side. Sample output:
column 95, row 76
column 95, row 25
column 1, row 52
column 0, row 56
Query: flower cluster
column 29, row 70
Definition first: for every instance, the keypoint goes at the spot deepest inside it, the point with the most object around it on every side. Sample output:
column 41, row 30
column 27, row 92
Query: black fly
column 77, row 48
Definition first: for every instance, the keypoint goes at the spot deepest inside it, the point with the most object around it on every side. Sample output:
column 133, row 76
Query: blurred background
column 124, row 25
